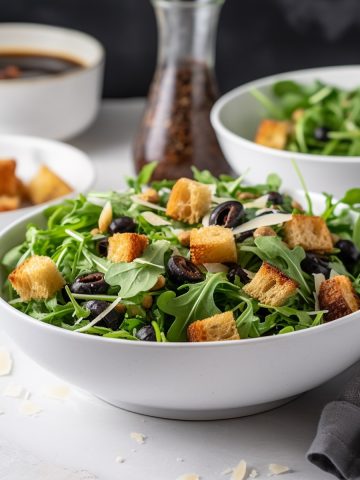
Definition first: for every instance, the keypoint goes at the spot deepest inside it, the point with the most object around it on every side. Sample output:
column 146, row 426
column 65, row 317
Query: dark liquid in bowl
column 28, row 65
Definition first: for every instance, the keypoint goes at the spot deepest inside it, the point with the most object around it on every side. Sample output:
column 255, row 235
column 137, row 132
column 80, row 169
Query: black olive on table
column 275, row 198
column 102, row 247
column 236, row 270
column 146, row 334
column 321, row 134
column 180, row 270
column 313, row 263
column 228, row 214
column 90, row 284
column 111, row 320
column 122, row 225
column 349, row 254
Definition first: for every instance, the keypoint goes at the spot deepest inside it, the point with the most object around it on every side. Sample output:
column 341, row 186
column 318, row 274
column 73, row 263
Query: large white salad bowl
column 183, row 380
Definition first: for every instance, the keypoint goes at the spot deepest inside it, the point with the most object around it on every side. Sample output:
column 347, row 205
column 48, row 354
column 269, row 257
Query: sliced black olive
column 313, row 263
column 236, row 270
column 243, row 236
column 275, row 198
column 102, row 247
column 146, row 334
column 321, row 134
column 180, row 270
column 228, row 214
column 90, row 283
column 111, row 320
column 349, row 254
column 122, row 225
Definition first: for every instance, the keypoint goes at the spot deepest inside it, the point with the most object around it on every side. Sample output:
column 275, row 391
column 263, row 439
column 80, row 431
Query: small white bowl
column 71, row 164
column 236, row 116
column 193, row 381
column 54, row 106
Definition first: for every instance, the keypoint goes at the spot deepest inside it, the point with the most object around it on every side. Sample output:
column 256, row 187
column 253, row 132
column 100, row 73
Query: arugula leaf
column 143, row 178
column 274, row 181
column 246, row 322
column 351, row 197
column 141, row 274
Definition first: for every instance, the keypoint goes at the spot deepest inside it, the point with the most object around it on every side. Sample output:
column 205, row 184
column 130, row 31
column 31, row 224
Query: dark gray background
column 256, row 37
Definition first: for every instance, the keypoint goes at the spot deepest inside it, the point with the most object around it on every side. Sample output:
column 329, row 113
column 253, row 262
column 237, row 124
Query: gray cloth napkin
column 336, row 447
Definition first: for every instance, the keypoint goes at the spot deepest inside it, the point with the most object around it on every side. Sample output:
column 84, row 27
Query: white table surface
column 80, row 437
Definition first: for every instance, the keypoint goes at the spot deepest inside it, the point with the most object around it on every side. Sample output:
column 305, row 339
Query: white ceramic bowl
column 71, row 164
column 185, row 380
column 53, row 106
column 236, row 116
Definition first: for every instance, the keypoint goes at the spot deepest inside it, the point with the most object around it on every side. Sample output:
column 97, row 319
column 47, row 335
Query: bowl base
column 178, row 414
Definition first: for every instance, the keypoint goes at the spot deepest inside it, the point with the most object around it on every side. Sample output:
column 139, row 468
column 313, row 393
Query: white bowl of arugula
column 199, row 299
column 310, row 116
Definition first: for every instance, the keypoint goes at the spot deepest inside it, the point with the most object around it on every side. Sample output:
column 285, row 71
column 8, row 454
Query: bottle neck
column 187, row 30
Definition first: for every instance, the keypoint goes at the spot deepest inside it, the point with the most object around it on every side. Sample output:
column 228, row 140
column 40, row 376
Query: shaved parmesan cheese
column 259, row 202
column 139, row 201
column 5, row 362
column 333, row 273
column 154, row 219
column 29, row 408
column 239, row 471
column 138, row 437
column 13, row 390
column 105, row 217
column 318, row 279
column 205, row 220
column 189, row 476
column 263, row 221
column 276, row 469
column 216, row 267
column 57, row 392
column 253, row 473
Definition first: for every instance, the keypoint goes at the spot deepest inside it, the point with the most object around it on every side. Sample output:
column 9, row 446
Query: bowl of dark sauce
column 50, row 80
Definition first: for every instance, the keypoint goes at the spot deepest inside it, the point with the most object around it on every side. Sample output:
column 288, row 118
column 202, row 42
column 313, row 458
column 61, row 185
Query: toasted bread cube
column 273, row 133
column 213, row 244
column 125, row 247
column 212, row 329
column 189, row 201
column 338, row 296
column 22, row 190
column 8, row 180
column 9, row 203
column 46, row 186
column 311, row 233
column 271, row 286
column 37, row 278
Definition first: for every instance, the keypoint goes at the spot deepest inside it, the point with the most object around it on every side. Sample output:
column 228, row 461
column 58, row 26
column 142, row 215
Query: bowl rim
column 334, row 325
column 28, row 210
column 91, row 40
column 224, row 100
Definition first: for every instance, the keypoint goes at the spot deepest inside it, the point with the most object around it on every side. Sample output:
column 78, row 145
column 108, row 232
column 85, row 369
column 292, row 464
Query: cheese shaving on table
column 276, row 469
column 263, row 221
column 138, row 437
column 5, row 362
column 29, row 408
column 239, row 472
column 57, row 392
column 13, row 390
column 189, row 476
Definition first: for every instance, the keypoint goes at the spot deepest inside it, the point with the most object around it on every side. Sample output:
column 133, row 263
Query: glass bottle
column 175, row 129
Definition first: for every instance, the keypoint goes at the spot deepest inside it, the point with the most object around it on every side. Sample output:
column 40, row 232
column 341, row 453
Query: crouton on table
column 212, row 244
column 125, row 247
column 189, row 201
column 217, row 327
column 271, row 286
column 9, row 203
column 309, row 232
column 46, row 186
column 8, row 180
column 37, row 278
column 273, row 133
column 338, row 296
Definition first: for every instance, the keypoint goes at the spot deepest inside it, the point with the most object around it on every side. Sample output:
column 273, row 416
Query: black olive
column 102, row 247
column 275, row 198
column 243, row 236
column 228, row 214
column 180, row 271
column 349, row 254
column 313, row 263
column 146, row 334
column 321, row 134
column 90, row 283
column 122, row 225
column 111, row 320
column 236, row 270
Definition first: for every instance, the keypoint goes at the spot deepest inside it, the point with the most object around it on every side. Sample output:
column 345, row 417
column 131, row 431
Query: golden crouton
column 311, row 233
column 271, row 286
column 338, row 296
column 37, row 278
column 213, row 244
column 9, row 203
column 273, row 133
column 150, row 195
column 188, row 201
column 8, row 180
column 125, row 247
column 46, row 186
column 212, row 329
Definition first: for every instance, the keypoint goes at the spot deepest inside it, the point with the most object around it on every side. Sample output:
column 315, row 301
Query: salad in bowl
column 193, row 260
